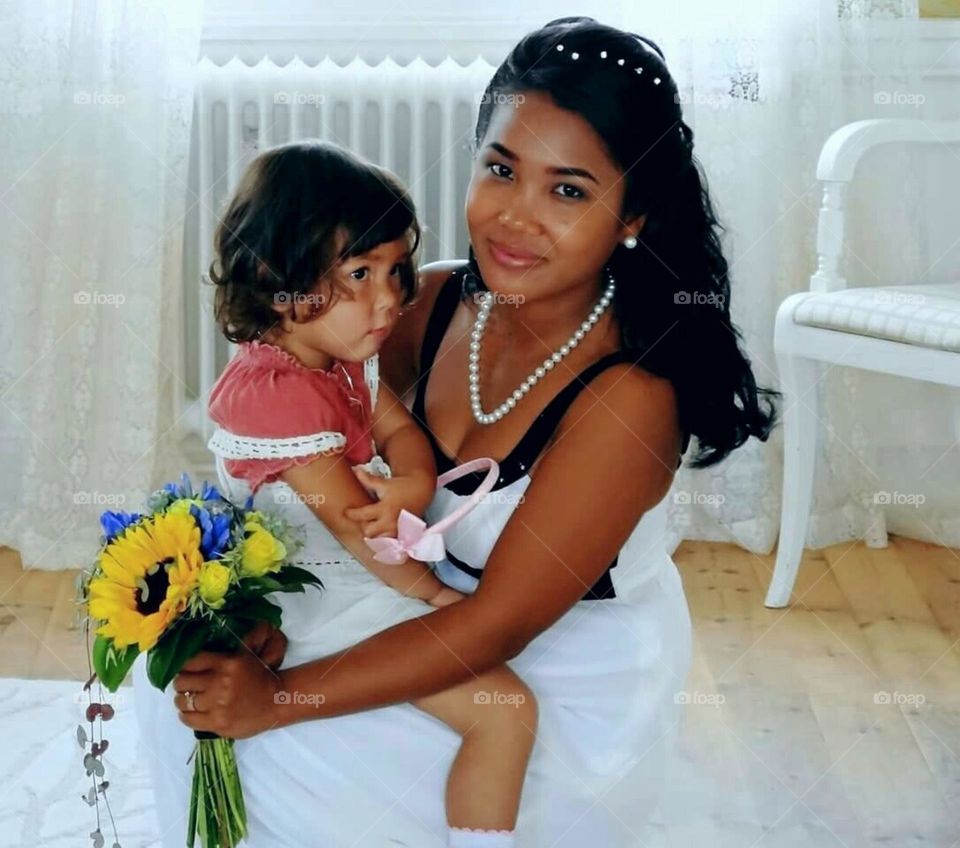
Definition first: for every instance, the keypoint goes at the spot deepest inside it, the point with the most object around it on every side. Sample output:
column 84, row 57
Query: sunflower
column 145, row 578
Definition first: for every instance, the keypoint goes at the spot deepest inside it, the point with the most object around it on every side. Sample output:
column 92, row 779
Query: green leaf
column 167, row 657
column 294, row 587
column 294, row 574
column 112, row 665
column 286, row 576
column 262, row 585
column 259, row 609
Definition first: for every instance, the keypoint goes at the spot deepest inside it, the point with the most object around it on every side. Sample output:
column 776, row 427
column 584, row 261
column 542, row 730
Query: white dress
column 605, row 675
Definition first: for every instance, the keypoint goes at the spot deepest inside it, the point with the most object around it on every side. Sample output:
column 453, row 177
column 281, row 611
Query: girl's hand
column 445, row 597
column 412, row 492
column 378, row 519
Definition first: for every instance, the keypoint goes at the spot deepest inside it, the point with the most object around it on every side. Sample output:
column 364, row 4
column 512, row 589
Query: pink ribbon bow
column 414, row 538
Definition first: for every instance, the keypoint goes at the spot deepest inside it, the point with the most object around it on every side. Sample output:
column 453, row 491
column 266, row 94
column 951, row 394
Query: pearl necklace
column 476, row 337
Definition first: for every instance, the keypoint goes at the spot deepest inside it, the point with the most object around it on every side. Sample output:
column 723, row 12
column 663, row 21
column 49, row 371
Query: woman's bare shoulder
column 432, row 277
column 436, row 272
column 628, row 399
column 400, row 354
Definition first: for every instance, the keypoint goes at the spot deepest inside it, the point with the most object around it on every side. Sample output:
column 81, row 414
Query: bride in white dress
column 586, row 183
column 605, row 675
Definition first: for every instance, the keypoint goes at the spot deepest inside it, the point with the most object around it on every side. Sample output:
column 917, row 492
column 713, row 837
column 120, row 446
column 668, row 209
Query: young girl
column 314, row 258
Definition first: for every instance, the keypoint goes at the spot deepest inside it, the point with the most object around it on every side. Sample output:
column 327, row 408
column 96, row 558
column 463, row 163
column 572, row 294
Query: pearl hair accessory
column 540, row 371
column 603, row 55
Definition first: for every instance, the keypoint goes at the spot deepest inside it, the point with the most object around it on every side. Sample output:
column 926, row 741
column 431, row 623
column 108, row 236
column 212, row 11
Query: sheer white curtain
column 763, row 86
column 95, row 110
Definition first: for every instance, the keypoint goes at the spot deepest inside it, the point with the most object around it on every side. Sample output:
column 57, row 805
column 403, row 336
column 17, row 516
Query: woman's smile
column 512, row 258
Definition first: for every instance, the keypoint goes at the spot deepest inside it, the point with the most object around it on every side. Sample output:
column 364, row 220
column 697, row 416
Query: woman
column 583, row 343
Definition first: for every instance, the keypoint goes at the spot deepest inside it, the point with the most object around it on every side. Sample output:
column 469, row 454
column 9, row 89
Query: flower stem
column 217, row 810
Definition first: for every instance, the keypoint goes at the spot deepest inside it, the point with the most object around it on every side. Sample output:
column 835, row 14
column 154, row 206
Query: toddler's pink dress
column 272, row 412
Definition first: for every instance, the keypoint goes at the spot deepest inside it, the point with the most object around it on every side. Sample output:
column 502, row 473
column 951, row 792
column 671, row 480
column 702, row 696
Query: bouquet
column 190, row 574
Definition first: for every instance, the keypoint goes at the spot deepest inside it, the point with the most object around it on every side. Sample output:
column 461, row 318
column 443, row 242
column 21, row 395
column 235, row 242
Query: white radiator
column 416, row 120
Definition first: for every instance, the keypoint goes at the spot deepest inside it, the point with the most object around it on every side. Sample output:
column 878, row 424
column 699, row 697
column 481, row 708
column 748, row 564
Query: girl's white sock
column 461, row 837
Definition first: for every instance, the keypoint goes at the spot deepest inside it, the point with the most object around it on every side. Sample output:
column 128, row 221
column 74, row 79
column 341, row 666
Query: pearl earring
column 630, row 242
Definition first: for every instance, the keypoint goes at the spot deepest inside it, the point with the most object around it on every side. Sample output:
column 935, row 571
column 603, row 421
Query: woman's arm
column 620, row 436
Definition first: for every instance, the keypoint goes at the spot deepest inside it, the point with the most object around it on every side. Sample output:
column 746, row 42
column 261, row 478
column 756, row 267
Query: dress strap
column 546, row 423
column 443, row 308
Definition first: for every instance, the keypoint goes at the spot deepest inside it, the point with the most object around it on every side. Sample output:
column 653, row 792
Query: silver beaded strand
column 540, row 371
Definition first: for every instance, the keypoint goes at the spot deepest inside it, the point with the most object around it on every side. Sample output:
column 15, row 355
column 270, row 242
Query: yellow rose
column 214, row 582
column 262, row 551
column 181, row 506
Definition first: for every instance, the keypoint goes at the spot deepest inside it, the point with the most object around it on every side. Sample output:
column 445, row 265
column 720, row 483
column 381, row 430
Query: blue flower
column 115, row 523
column 214, row 530
column 210, row 493
column 182, row 490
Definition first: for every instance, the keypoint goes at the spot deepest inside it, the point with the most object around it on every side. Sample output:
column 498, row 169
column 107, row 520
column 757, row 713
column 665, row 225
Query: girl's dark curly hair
column 673, row 299
column 300, row 209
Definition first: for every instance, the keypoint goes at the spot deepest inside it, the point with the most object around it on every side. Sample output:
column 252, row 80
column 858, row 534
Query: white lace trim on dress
column 231, row 446
column 371, row 375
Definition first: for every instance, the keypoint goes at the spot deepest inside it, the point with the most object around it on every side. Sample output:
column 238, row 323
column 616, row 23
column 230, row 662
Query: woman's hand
column 268, row 643
column 412, row 492
column 233, row 695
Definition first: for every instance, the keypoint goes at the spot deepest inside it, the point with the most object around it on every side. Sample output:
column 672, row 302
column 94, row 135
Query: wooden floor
column 834, row 722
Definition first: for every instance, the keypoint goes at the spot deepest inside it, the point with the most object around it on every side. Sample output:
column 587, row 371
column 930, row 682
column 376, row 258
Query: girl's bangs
column 375, row 224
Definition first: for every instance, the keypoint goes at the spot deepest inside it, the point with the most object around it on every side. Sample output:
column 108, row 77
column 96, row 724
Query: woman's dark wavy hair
column 300, row 209
column 673, row 299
